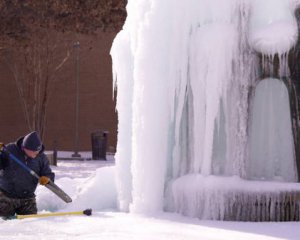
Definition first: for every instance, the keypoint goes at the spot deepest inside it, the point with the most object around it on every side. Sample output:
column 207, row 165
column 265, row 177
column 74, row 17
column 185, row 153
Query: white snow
column 108, row 224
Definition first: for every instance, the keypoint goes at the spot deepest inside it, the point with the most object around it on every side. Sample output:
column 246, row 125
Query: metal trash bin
column 99, row 144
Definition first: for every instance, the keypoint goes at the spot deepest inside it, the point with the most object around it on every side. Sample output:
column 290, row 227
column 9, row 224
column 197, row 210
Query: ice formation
column 273, row 27
column 188, row 109
column 271, row 153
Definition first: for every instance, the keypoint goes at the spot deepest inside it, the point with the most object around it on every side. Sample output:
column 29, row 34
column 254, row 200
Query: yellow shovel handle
column 87, row 212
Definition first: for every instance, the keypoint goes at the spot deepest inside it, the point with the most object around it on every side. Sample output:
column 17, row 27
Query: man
column 17, row 186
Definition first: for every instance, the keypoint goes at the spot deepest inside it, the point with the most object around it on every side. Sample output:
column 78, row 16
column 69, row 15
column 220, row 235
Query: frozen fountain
column 208, row 109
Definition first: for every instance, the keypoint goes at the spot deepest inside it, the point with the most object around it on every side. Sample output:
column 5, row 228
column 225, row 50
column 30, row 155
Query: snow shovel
column 51, row 185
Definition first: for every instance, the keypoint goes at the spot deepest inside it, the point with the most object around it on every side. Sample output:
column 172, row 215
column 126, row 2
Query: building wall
column 96, row 104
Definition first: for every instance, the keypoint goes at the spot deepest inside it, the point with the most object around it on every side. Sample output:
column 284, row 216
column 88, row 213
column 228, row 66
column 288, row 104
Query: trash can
column 99, row 144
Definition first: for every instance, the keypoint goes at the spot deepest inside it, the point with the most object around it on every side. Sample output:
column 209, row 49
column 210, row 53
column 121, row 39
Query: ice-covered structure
column 208, row 108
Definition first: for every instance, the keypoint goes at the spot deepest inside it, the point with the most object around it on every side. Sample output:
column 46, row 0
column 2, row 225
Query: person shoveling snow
column 24, row 165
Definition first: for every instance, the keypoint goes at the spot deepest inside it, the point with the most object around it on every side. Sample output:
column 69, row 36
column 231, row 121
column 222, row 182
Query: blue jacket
column 17, row 182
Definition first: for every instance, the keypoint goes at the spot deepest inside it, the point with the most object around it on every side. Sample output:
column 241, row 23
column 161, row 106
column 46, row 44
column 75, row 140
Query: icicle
column 183, row 104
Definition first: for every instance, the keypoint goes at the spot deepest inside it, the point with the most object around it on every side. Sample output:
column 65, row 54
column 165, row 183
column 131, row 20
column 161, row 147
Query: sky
column 91, row 185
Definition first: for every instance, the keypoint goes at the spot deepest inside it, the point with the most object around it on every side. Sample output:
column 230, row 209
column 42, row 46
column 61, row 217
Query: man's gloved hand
column 3, row 152
column 44, row 180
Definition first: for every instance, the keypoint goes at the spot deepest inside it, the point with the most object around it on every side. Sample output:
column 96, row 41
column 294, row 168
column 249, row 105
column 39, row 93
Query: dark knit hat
column 32, row 142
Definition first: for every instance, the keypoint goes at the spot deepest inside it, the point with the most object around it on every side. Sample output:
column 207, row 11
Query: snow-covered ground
column 91, row 185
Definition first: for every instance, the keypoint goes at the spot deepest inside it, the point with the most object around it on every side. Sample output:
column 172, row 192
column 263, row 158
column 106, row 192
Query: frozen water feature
column 234, row 198
column 189, row 109
column 271, row 154
column 273, row 27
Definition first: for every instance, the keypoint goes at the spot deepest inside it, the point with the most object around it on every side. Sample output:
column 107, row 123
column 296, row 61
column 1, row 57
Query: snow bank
column 97, row 192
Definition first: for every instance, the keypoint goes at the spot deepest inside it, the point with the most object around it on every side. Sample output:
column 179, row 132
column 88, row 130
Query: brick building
column 96, row 103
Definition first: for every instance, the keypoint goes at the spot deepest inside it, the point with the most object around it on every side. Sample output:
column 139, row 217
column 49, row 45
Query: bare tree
column 31, row 43
column 35, row 66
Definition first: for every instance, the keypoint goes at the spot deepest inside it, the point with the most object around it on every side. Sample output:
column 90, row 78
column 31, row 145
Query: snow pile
column 48, row 201
column 98, row 192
